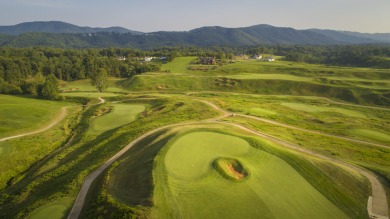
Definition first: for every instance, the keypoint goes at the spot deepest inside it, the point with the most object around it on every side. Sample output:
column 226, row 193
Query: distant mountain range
column 61, row 34
column 57, row 27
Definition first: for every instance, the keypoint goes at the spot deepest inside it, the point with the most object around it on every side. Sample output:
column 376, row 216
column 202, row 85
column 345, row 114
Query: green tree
column 100, row 79
column 49, row 89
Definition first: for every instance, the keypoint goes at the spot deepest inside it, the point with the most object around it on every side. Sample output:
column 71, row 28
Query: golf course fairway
column 187, row 184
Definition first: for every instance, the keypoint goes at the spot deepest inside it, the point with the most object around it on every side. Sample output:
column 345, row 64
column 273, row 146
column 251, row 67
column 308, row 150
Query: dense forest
column 23, row 70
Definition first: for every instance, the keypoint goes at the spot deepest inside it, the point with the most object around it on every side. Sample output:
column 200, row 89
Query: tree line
column 24, row 70
column 375, row 56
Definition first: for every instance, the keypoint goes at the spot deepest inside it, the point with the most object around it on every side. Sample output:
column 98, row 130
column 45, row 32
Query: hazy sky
column 178, row 15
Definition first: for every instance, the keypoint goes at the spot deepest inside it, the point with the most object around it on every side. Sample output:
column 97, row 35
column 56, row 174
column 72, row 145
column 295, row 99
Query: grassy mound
column 231, row 169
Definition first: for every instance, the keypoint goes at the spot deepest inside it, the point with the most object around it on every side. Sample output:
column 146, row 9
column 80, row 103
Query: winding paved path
column 377, row 205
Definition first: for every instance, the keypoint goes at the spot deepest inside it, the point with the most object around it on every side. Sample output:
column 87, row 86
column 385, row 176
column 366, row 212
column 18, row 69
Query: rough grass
column 192, row 183
column 22, row 114
column 312, row 108
column 311, row 113
column 270, row 76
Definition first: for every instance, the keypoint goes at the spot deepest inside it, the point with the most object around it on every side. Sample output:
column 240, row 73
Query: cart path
column 377, row 206
column 51, row 125
column 294, row 127
column 276, row 95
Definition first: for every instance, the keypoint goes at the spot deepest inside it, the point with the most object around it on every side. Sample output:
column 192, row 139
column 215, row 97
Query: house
column 256, row 56
column 208, row 61
column 121, row 58
column 148, row 59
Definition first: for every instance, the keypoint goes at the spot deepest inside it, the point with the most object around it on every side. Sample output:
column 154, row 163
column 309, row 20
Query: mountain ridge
column 61, row 34
column 58, row 27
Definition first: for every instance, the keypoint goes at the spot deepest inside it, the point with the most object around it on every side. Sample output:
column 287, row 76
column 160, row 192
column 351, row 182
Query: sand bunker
column 231, row 169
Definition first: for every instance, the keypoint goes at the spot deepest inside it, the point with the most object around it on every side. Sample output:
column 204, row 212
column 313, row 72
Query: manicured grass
column 371, row 135
column 21, row 114
column 55, row 210
column 121, row 114
column 312, row 108
column 193, row 188
column 85, row 85
column 178, row 65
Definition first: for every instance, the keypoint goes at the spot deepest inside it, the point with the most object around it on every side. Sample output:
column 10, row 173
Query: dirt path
column 377, row 205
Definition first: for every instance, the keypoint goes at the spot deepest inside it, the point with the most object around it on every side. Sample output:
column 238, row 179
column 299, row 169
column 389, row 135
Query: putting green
column 58, row 209
column 313, row 109
column 190, row 187
column 121, row 114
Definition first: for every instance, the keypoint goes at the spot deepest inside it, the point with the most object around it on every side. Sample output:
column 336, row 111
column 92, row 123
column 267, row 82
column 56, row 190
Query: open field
column 15, row 119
